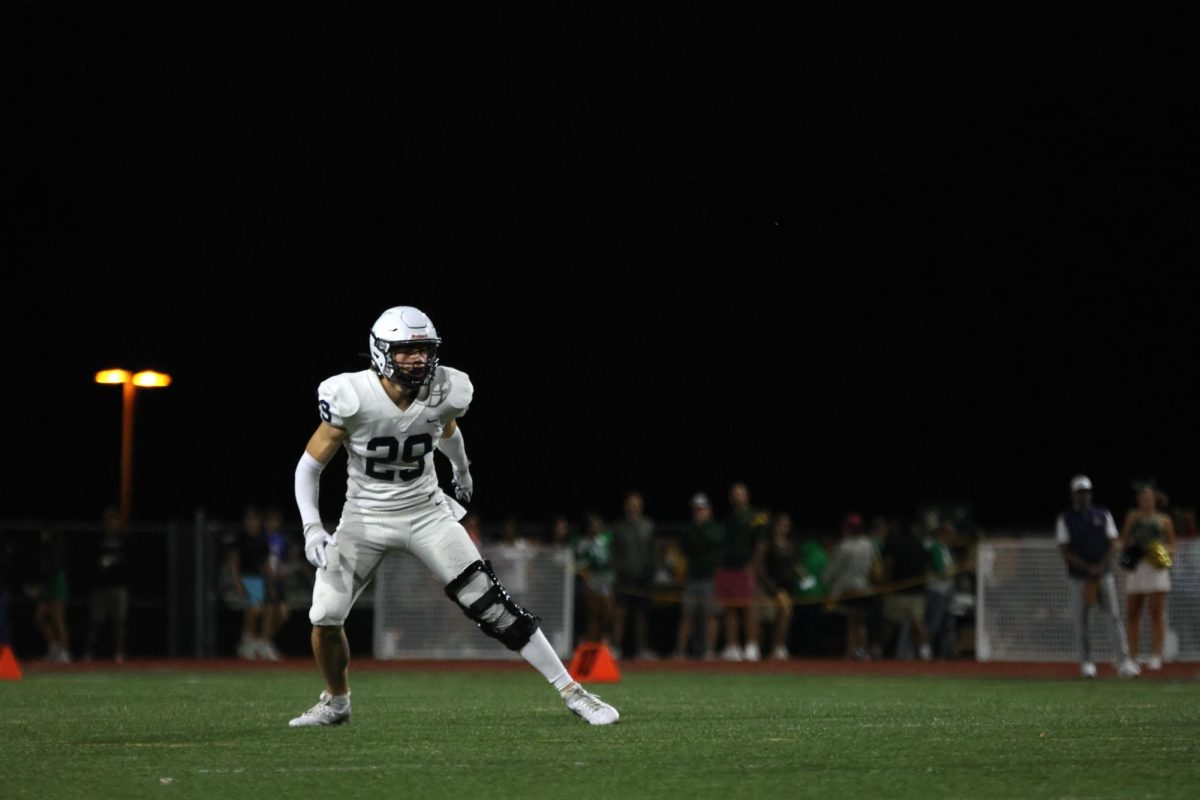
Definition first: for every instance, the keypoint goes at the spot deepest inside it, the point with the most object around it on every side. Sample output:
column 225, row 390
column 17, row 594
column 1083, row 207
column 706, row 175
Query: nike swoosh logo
column 439, row 502
column 434, row 419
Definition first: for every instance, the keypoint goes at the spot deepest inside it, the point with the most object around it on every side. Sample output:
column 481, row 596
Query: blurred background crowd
column 715, row 576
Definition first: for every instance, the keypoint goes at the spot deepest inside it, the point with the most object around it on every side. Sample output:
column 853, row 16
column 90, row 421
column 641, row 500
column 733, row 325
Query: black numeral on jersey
column 425, row 442
column 325, row 412
column 391, row 448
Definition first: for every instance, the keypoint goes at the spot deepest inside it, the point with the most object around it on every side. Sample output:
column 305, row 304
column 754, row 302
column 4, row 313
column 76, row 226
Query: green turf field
column 486, row 736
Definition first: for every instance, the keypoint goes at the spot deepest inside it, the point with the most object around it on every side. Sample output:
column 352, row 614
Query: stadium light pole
column 130, row 382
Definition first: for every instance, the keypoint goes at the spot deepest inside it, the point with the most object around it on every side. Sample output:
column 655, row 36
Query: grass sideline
column 504, row 734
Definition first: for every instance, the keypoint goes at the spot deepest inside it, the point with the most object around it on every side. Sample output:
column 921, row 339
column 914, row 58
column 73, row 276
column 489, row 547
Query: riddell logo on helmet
column 420, row 336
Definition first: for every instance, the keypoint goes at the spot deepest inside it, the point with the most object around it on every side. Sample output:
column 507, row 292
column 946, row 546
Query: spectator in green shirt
column 811, row 621
column 593, row 560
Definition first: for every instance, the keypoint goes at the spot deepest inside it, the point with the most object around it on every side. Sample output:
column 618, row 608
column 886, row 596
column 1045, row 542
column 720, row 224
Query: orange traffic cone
column 10, row 670
column 593, row 663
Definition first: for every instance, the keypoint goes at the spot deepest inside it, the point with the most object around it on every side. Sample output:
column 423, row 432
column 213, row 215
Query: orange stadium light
column 149, row 378
column 112, row 376
column 146, row 379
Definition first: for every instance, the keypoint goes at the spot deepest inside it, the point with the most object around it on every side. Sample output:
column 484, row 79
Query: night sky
column 860, row 262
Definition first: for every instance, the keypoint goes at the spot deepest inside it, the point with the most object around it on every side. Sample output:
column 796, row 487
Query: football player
column 389, row 419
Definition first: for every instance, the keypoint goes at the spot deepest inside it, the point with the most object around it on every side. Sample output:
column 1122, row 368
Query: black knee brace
column 481, row 597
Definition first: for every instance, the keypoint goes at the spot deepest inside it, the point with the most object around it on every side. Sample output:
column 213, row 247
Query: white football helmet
column 404, row 326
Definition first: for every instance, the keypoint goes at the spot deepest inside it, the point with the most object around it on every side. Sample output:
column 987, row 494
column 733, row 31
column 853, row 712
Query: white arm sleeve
column 308, row 488
column 455, row 450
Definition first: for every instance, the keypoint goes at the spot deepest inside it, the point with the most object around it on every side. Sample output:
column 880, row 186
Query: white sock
column 541, row 655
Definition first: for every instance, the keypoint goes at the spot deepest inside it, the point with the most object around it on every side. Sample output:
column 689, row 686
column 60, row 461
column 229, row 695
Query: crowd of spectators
column 743, row 583
column 730, row 580
column 50, row 571
column 264, row 575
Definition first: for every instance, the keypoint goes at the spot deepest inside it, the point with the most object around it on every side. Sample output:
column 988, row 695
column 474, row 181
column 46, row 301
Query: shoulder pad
column 451, row 393
column 337, row 399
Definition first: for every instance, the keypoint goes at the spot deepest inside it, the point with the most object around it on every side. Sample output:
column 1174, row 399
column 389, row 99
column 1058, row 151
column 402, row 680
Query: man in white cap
column 1087, row 537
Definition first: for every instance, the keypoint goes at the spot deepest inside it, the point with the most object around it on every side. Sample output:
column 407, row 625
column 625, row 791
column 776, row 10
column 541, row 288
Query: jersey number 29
column 409, row 455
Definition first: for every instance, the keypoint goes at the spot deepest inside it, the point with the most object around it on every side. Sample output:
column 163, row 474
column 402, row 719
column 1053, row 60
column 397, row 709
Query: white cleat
column 1154, row 664
column 587, row 705
column 323, row 713
column 1128, row 669
column 1087, row 669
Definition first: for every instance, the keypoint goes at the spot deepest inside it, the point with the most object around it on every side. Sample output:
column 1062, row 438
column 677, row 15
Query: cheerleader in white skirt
column 1150, row 580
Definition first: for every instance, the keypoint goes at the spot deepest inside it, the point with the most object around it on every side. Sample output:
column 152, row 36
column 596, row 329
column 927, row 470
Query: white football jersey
column 390, row 451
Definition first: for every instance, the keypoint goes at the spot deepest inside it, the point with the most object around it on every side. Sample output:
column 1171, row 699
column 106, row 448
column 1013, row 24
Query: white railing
column 1023, row 612
column 415, row 619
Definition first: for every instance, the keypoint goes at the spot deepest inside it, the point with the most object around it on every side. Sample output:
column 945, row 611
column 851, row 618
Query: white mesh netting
column 415, row 619
column 1023, row 610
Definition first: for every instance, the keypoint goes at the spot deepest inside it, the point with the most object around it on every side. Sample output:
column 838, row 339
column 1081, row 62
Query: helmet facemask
column 384, row 355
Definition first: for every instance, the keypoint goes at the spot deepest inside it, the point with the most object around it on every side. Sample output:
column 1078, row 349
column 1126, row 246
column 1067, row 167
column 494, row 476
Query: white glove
column 315, row 539
column 463, row 485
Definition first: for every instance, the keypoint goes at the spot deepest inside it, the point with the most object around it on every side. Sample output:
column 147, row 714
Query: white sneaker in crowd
column 326, row 712
column 732, row 653
column 587, row 705
column 1154, row 664
column 1128, row 669
column 266, row 650
column 1087, row 669
column 925, row 652
column 752, row 653
column 248, row 649
column 780, row 653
